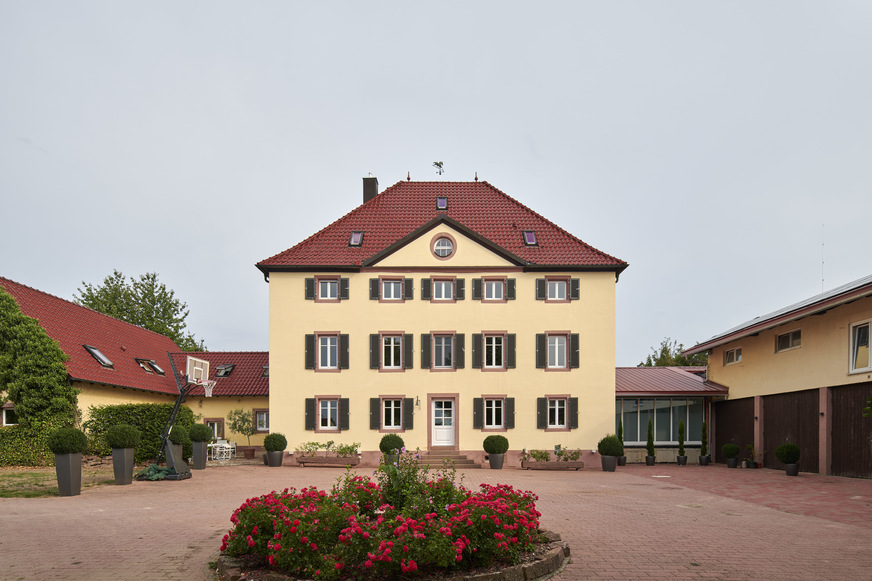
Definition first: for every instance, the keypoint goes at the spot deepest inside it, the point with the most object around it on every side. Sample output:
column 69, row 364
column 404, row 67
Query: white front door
column 443, row 422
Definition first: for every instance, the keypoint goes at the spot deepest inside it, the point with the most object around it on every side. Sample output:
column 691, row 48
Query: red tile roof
column 662, row 381
column 73, row 326
column 245, row 379
column 409, row 208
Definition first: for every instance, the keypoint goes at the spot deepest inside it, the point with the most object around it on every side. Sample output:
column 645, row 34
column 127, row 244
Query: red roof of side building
column 408, row 209
column 74, row 326
column 662, row 381
column 246, row 377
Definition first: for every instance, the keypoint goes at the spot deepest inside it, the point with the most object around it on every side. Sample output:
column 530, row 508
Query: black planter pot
column 175, row 460
column 732, row 462
column 275, row 458
column 122, row 465
column 682, row 460
column 69, row 470
column 622, row 460
column 496, row 461
column 649, row 460
column 609, row 463
column 792, row 469
column 198, row 461
column 704, row 460
column 752, row 464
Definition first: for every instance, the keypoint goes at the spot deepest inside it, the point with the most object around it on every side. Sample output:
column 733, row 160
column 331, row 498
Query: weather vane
column 438, row 166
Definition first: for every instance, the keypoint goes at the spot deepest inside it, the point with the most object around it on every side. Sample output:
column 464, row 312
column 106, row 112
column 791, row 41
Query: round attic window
column 443, row 247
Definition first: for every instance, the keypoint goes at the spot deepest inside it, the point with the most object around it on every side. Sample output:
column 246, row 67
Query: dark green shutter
column 409, row 289
column 408, row 413
column 541, row 351
column 425, row 350
column 425, row 289
column 408, row 350
column 310, row 289
column 574, row 291
column 510, row 289
column 477, row 413
column 509, row 418
column 373, row 289
column 310, row 351
column 574, row 355
column 310, row 413
column 374, row 351
column 460, row 348
column 344, row 421
column 459, row 289
column 343, row 351
column 541, row 413
column 476, row 289
column 343, row 289
column 374, row 413
column 573, row 413
column 541, row 289
column 477, row 349
column 510, row 351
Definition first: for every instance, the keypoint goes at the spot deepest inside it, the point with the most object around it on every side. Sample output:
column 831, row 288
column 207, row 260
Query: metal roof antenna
column 408, row 177
column 476, row 176
column 438, row 166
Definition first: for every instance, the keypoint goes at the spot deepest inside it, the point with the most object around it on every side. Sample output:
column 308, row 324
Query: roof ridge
column 73, row 303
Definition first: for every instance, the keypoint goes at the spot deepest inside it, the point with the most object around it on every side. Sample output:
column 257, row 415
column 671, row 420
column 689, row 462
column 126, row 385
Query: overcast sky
column 712, row 145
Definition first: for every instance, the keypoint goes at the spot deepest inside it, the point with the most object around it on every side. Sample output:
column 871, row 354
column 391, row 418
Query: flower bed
column 406, row 523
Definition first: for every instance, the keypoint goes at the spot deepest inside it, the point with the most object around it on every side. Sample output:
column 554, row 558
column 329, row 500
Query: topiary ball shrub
column 496, row 444
column 201, row 433
column 122, row 436
column 67, row 441
column 730, row 450
column 179, row 435
column 787, row 453
column 391, row 442
column 275, row 442
column 610, row 445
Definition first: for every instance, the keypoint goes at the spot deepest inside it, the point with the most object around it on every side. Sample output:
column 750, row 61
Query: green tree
column 669, row 355
column 32, row 372
column 145, row 302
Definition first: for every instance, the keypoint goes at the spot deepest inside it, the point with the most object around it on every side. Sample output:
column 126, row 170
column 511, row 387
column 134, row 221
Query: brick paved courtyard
column 661, row 522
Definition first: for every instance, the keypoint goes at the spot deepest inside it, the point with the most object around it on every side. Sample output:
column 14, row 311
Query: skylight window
column 157, row 369
column 441, row 203
column 224, row 370
column 145, row 366
column 530, row 238
column 98, row 355
column 265, row 371
column 356, row 238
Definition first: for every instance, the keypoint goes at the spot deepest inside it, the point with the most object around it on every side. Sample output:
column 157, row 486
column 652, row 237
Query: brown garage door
column 792, row 417
column 734, row 423
column 852, row 433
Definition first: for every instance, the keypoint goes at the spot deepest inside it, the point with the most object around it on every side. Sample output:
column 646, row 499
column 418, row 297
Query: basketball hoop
column 208, row 386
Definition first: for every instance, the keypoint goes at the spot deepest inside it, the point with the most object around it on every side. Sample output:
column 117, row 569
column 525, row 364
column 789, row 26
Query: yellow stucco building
column 443, row 312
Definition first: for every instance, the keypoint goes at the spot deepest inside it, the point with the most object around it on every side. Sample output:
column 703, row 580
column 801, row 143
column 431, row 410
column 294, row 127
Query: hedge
column 149, row 418
column 27, row 445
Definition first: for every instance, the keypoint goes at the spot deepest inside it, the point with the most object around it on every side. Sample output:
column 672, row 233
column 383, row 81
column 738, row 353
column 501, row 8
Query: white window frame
column 732, row 356
column 443, row 247
column 392, row 407
column 331, row 406
column 6, row 421
column 491, row 408
column 331, row 344
column 559, row 406
column 439, row 342
column 852, row 355
column 493, row 290
column 392, row 351
column 261, row 420
column 393, row 285
column 554, row 286
column 446, row 290
column 794, row 340
column 328, row 284
column 558, row 346
column 492, row 344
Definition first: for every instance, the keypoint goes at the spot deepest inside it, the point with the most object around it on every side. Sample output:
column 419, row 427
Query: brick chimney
column 370, row 188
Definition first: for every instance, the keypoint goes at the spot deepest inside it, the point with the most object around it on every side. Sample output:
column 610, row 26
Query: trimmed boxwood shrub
column 123, row 436
column 730, row 450
column 67, row 441
column 390, row 443
column 610, row 445
column 275, row 442
column 787, row 453
column 179, row 435
column 200, row 433
column 496, row 444
column 149, row 418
